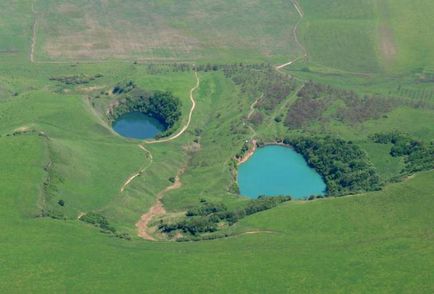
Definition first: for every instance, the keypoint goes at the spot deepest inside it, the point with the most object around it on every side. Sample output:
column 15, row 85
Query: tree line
column 208, row 217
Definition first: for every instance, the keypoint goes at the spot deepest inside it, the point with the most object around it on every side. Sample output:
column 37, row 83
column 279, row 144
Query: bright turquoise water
column 138, row 125
column 277, row 170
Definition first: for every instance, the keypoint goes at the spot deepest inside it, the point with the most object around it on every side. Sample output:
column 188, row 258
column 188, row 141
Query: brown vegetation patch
column 304, row 112
column 106, row 33
column 316, row 101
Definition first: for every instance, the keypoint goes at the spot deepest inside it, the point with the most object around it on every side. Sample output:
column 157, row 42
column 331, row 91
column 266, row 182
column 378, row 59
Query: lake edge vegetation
column 161, row 105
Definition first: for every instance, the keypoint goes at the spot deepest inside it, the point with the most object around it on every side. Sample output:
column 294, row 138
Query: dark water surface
column 138, row 125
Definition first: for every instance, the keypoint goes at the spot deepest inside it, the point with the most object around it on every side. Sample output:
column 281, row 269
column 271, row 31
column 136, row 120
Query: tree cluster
column 101, row 222
column 304, row 112
column 315, row 99
column 418, row 155
column 261, row 81
column 162, row 105
column 208, row 217
column 345, row 168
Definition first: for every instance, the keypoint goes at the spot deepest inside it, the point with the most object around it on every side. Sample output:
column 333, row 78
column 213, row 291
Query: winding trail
column 34, row 29
column 185, row 127
column 157, row 209
column 252, row 107
column 294, row 31
column 141, row 171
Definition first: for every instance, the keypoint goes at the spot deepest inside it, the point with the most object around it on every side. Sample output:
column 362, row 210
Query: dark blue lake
column 138, row 125
column 277, row 170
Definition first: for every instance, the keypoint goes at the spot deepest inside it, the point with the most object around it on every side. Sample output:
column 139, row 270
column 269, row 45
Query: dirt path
column 248, row 153
column 34, row 29
column 294, row 31
column 256, row 232
column 185, row 127
column 252, row 107
column 131, row 178
column 157, row 209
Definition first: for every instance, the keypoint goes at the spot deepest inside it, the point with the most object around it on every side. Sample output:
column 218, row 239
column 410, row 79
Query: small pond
column 138, row 125
column 277, row 170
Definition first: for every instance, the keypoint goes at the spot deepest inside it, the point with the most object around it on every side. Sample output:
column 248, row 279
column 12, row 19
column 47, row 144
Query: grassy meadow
column 223, row 31
column 56, row 143
column 370, row 36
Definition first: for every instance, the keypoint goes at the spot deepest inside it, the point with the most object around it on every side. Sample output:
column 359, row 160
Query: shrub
column 162, row 105
column 98, row 220
column 342, row 164
column 418, row 155
column 206, row 217
column 206, row 208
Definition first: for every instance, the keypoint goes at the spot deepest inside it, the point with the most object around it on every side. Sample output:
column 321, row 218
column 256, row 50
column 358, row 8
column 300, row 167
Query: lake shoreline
column 248, row 154
column 255, row 147
column 278, row 170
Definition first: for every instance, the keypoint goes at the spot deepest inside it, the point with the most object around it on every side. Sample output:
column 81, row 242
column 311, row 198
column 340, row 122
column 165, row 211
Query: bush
column 162, row 105
column 98, row 220
column 419, row 156
column 206, row 217
column 76, row 79
column 206, row 208
column 261, row 80
column 342, row 164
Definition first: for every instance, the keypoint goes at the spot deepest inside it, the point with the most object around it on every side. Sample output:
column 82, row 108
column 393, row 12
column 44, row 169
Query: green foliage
column 98, row 220
column 206, row 209
column 315, row 101
column 418, row 155
column 243, row 151
column 76, row 79
column 261, row 81
column 295, row 242
column 162, row 105
column 343, row 165
column 264, row 203
column 206, row 217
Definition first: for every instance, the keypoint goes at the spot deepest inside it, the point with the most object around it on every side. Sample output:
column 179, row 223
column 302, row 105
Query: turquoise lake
column 277, row 170
column 138, row 125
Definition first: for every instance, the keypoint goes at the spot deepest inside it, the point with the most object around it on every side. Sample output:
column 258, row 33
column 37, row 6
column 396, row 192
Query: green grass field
column 369, row 36
column 225, row 31
column 56, row 145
